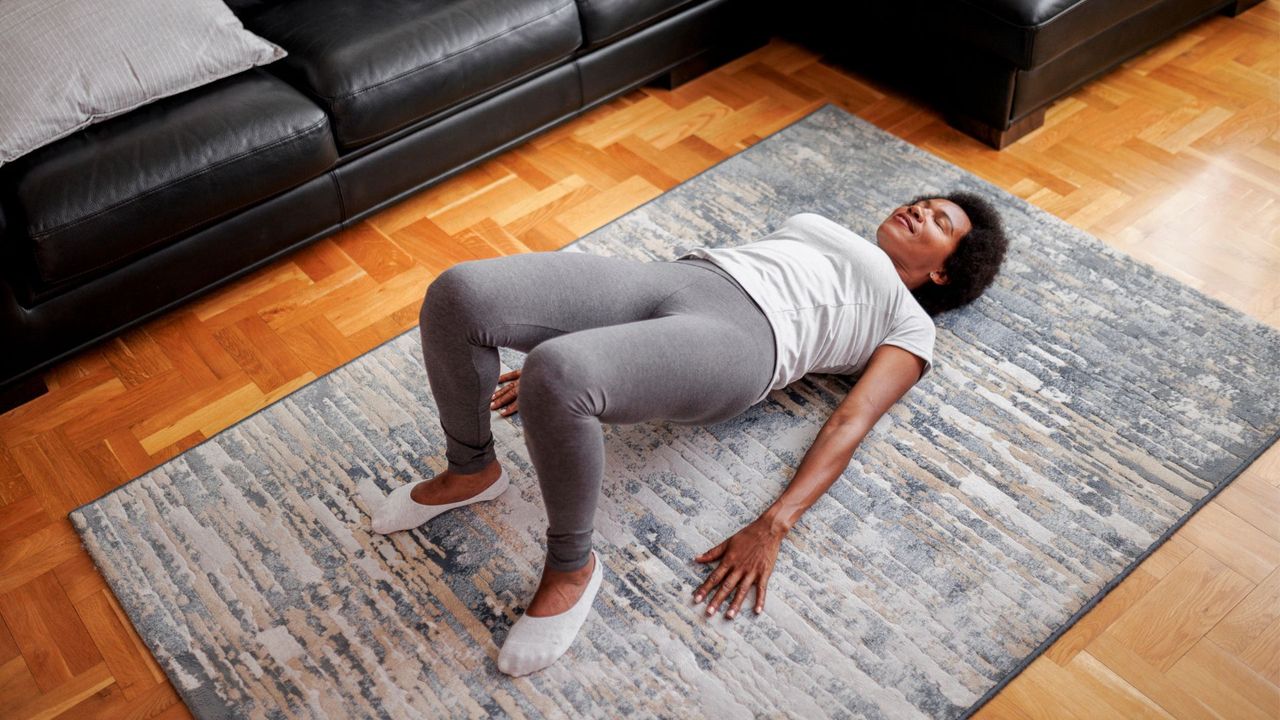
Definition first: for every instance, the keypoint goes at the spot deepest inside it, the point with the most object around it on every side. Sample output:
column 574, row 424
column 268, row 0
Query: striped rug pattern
column 1078, row 412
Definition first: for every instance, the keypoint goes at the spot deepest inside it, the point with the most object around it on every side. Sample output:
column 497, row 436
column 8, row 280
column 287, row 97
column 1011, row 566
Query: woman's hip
column 564, row 291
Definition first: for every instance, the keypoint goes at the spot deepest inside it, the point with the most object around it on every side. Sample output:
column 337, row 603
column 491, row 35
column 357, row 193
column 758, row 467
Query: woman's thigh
column 684, row 367
column 519, row 300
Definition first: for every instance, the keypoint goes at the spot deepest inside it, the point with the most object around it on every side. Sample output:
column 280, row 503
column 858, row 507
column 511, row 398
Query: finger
column 743, row 588
column 760, row 592
column 514, row 383
column 711, row 582
column 508, row 375
column 500, row 398
column 713, row 553
column 514, row 407
column 713, row 606
column 723, row 592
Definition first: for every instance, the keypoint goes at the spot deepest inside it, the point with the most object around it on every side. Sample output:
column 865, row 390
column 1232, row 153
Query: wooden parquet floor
column 1173, row 158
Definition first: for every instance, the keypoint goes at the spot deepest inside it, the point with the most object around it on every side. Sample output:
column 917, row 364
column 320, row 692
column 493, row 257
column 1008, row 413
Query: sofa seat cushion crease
column 375, row 101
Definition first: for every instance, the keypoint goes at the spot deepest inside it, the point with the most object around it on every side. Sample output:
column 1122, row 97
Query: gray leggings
column 609, row 339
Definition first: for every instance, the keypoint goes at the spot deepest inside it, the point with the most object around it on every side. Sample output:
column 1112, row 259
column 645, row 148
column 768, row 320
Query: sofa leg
column 704, row 62
column 682, row 73
column 996, row 137
column 21, row 392
column 1239, row 6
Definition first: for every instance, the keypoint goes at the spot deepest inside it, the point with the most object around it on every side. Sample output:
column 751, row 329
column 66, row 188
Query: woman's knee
column 557, row 372
column 453, row 292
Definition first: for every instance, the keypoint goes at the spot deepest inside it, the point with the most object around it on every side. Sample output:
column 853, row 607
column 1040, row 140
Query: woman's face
column 919, row 238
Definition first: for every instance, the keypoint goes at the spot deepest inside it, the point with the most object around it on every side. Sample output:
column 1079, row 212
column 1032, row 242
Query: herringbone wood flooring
column 1173, row 158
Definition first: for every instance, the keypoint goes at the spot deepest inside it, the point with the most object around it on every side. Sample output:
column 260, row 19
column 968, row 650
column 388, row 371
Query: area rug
column 1077, row 414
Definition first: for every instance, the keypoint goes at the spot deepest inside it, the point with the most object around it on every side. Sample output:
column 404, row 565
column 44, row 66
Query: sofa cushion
column 380, row 65
column 604, row 21
column 138, row 180
column 1028, row 33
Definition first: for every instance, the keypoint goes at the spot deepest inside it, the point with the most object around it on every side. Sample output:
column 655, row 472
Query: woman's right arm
column 747, row 557
column 889, row 374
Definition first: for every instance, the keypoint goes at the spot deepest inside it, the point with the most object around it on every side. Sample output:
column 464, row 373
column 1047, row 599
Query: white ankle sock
column 401, row 512
column 535, row 642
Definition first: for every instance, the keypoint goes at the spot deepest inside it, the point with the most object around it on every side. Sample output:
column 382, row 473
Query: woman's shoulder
column 807, row 217
column 816, row 227
column 912, row 315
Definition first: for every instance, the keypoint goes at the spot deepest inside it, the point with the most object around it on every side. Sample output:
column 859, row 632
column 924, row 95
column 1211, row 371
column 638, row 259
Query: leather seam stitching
column 342, row 204
column 455, row 53
column 461, row 106
column 644, row 24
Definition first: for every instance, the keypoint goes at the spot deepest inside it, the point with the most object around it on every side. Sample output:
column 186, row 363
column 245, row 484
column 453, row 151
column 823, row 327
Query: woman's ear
column 939, row 277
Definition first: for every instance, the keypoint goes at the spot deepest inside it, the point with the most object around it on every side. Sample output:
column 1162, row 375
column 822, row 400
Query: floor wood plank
column 1172, row 158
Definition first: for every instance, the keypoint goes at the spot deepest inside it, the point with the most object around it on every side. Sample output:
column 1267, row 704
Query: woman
column 696, row 340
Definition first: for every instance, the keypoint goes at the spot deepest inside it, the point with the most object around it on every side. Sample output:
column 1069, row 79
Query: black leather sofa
column 992, row 67
column 381, row 98
column 376, row 100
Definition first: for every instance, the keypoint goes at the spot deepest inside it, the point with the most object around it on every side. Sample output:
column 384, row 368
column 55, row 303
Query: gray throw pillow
column 65, row 64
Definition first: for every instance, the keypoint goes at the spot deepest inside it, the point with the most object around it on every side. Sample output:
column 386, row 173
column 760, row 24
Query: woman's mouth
column 905, row 221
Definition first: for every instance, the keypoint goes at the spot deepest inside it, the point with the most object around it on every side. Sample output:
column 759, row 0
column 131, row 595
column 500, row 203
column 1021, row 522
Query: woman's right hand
column 506, row 395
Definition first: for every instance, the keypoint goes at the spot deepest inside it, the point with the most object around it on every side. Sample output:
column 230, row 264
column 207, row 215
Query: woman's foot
column 402, row 510
column 536, row 641
column 560, row 589
column 450, row 487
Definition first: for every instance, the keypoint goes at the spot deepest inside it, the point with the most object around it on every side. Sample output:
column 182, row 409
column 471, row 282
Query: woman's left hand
column 746, row 559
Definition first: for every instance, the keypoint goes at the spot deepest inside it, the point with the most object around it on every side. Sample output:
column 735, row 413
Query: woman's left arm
column 747, row 557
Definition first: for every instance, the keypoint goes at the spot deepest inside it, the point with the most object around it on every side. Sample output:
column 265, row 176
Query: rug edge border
column 1119, row 578
column 1118, row 255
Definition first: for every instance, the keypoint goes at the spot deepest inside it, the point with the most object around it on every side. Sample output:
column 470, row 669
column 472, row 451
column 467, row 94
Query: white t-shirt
column 831, row 296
